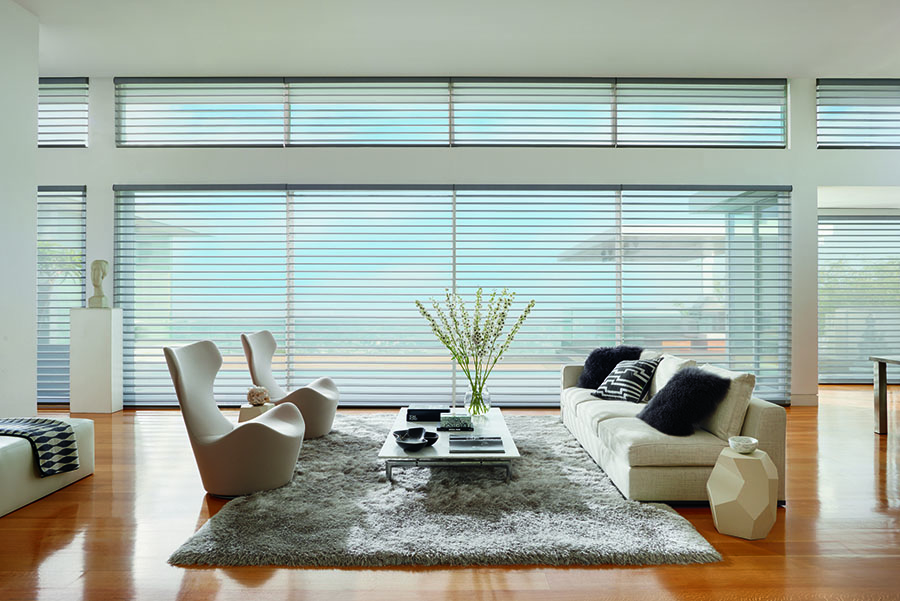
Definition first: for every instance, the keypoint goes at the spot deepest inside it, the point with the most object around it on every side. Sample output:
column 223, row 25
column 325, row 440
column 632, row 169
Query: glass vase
column 478, row 403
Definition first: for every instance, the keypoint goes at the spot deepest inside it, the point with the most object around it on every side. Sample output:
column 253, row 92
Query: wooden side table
column 743, row 494
column 248, row 411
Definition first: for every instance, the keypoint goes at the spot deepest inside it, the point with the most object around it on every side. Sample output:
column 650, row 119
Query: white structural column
column 95, row 360
column 18, row 213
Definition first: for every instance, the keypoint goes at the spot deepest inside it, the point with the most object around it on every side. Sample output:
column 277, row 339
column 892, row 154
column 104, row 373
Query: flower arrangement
column 474, row 339
column 257, row 395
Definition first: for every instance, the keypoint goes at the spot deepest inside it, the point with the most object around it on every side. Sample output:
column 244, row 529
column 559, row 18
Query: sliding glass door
column 859, row 307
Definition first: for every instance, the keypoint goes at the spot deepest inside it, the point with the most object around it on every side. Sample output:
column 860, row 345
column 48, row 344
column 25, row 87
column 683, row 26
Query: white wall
column 801, row 165
column 18, row 192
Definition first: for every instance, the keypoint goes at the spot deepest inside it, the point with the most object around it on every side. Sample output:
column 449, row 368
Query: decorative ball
column 743, row 444
column 257, row 395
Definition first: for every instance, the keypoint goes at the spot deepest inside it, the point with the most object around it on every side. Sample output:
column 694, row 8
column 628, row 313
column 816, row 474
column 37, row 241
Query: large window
column 858, row 113
column 60, row 284
column 859, row 308
column 450, row 112
column 334, row 272
column 200, row 112
column 63, row 111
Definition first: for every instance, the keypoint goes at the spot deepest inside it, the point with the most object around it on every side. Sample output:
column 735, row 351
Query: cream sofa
column 20, row 482
column 644, row 463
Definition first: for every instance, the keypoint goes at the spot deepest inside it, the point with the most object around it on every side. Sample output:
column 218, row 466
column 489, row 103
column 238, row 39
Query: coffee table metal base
column 390, row 464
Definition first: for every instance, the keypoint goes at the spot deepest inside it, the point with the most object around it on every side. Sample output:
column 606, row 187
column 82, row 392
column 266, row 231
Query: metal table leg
column 881, row 426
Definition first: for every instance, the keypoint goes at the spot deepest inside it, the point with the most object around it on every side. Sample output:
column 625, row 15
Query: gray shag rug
column 559, row 508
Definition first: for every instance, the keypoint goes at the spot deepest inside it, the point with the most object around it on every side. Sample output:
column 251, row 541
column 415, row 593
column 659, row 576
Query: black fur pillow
column 602, row 361
column 688, row 398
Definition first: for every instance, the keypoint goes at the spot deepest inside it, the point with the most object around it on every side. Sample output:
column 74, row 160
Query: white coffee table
column 491, row 424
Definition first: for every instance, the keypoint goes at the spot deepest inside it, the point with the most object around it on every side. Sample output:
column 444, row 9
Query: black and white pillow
column 628, row 381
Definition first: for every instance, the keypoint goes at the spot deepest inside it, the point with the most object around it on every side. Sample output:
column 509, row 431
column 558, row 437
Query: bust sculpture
column 99, row 269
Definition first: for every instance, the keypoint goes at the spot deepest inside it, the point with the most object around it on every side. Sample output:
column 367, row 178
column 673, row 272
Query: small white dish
column 743, row 444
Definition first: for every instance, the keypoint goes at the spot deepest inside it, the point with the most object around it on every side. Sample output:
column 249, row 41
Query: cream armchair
column 317, row 401
column 233, row 460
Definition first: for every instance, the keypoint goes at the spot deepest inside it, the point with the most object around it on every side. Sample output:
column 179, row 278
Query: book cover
column 476, row 444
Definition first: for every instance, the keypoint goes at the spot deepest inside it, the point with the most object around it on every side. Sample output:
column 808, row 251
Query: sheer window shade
column 200, row 112
column 701, row 113
column 858, row 113
column 195, row 264
column 859, row 309
column 63, row 111
column 334, row 271
column 450, row 111
column 532, row 113
column 60, row 284
column 707, row 274
column 368, row 112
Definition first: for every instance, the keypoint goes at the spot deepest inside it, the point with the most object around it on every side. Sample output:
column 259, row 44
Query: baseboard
column 804, row 400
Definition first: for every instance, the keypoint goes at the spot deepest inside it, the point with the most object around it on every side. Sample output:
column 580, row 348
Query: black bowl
column 415, row 439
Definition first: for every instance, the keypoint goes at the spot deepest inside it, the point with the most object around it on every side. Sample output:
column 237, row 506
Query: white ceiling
column 711, row 38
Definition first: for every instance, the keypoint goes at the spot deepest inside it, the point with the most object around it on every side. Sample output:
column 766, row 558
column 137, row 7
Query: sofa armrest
column 767, row 422
column 569, row 375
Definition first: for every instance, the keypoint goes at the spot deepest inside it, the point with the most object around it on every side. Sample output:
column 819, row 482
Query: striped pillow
column 628, row 381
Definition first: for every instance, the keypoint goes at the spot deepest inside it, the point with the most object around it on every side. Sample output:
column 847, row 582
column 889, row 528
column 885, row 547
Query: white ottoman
column 20, row 482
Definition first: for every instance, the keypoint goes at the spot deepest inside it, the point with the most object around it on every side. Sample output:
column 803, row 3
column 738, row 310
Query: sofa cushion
column 690, row 397
column 603, row 360
column 668, row 367
column 728, row 418
column 642, row 445
column 629, row 381
column 572, row 398
column 596, row 411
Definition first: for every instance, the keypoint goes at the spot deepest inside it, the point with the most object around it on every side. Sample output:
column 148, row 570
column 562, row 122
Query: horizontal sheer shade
column 530, row 113
column 335, row 271
column 858, row 113
column 859, row 309
column 194, row 265
column 60, row 284
column 450, row 111
column 530, row 242
column 369, row 113
column 701, row 114
column 707, row 275
column 63, row 111
column 198, row 113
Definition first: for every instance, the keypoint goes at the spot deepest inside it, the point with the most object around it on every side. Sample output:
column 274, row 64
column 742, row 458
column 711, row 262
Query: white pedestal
column 743, row 494
column 95, row 360
column 249, row 411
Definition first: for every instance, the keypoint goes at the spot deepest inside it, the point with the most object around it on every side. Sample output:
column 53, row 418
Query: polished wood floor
column 108, row 536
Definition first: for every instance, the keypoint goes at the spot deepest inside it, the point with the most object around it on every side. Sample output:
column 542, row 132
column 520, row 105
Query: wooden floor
column 108, row 536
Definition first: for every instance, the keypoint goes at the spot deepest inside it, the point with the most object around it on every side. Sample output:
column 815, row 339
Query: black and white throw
column 53, row 442
column 628, row 381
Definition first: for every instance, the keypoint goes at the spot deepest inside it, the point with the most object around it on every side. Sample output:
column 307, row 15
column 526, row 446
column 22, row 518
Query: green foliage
column 57, row 264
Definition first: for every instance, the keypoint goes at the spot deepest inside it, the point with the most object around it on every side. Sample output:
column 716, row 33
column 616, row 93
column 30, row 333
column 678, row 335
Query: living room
column 609, row 213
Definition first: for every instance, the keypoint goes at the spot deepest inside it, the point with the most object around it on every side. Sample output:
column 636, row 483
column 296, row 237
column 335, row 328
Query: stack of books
column 475, row 444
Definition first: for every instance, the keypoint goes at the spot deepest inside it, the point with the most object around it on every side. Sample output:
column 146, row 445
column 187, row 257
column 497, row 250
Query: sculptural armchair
column 317, row 401
column 259, row 454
